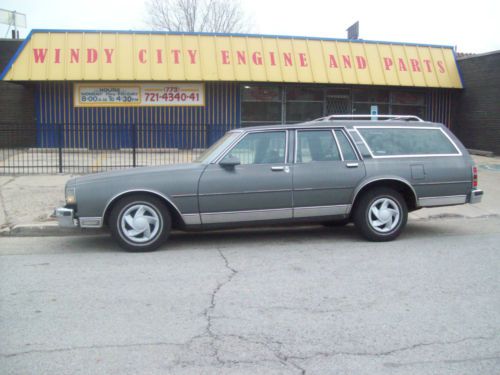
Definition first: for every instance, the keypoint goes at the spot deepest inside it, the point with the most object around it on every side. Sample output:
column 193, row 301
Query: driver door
column 258, row 188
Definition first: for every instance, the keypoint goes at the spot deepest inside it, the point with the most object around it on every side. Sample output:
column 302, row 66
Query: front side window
column 260, row 148
column 407, row 141
column 316, row 145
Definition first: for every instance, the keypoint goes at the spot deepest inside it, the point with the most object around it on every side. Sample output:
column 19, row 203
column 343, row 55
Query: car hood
column 135, row 173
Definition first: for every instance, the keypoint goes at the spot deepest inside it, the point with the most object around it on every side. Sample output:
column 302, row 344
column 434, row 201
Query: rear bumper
column 65, row 217
column 476, row 196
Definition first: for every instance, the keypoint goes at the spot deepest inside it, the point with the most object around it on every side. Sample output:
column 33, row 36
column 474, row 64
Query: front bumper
column 65, row 217
column 476, row 196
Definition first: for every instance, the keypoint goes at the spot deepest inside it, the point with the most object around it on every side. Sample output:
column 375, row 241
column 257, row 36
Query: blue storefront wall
column 60, row 124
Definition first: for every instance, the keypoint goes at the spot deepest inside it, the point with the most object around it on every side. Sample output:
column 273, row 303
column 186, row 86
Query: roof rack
column 370, row 117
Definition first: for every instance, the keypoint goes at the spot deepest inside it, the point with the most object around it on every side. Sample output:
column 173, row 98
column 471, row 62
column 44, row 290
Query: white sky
column 472, row 26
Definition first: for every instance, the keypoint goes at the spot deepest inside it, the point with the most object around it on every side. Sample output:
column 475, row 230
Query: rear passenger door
column 326, row 171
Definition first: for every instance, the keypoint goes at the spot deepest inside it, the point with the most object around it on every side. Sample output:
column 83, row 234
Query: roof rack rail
column 370, row 117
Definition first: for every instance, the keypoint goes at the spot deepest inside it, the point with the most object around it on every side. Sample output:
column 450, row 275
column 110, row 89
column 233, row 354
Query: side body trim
column 442, row 201
column 341, row 209
column 242, row 216
column 191, row 219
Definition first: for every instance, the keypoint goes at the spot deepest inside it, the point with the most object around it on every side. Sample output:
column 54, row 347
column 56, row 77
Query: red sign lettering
column 225, row 56
column 109, row 53
column 142, row 56
column 441, row 68
column 272, row 58
column 91, row 55
column 415, row 65
column 361, row 61
column 257, row 58
column 428, row 65
column 192, row 56
column 39, row 55
column 242, row 57
column 303, row 60
column 388, row 63
column 57, row 56
column 402, row 65
column 333, row 62
column 176, row 53
column 287, row 58
column 347, row 61
column 75, row 56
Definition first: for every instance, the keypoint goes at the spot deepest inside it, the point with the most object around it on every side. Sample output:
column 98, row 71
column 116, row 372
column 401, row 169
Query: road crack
column 90, row 347
column 389, row 352
column 213, row 301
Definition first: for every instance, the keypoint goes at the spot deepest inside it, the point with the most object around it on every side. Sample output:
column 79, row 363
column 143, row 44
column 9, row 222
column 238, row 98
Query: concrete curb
column 45, row 230
column 53, row 230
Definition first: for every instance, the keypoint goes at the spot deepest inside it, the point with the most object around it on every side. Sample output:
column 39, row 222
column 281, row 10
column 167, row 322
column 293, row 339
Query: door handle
column 281, row 168
column 352, row 165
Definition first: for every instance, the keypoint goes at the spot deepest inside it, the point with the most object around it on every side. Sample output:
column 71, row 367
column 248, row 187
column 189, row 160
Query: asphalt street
column 307, row 300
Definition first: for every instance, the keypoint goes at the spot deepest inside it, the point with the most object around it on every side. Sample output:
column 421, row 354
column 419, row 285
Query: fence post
column 59, row 142
column 134, row 143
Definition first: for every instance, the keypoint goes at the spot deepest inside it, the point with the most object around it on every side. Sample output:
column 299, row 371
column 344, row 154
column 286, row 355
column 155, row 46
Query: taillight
column 474, row 177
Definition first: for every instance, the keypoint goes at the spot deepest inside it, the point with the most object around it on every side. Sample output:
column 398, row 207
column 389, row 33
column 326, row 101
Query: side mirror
column 230, row 161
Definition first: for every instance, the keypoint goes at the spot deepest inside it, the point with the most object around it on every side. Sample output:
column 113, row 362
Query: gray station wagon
column 332, row 170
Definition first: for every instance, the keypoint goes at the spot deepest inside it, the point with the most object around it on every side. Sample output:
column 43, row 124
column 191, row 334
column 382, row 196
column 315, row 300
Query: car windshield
column 210, row 153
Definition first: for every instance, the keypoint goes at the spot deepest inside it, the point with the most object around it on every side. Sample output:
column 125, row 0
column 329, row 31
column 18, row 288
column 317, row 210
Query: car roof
column 339, row 123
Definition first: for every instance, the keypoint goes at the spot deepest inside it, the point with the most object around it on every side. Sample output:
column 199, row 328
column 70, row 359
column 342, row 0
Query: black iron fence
column 84, row 148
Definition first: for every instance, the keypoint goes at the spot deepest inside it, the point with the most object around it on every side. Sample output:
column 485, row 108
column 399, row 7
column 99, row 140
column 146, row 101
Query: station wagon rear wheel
column 140, row 223
column 381, row 214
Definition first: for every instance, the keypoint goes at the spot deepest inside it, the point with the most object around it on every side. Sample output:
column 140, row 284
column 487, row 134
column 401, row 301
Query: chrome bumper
column 476, row 196
column 65, row 217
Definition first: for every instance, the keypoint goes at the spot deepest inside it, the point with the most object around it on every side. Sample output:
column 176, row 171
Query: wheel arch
column 400, row 185
column 174, row 211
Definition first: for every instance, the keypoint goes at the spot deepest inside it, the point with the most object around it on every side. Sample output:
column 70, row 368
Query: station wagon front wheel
column 140, row 223
column 381, row 214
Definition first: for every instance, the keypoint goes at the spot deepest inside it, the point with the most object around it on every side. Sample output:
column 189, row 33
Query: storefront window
column 303, row 104
column 365, row 99
column 365, row 108
column 408, row 110
column 303, row 111
column 260, row 105
column 371, row 96
column 408, row 103
column 304, row 94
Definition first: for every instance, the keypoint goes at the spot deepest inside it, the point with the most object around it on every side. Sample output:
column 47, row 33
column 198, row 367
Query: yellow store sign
column 107, row 56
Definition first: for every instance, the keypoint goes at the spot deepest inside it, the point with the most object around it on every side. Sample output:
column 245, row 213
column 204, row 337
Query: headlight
column 70, row 194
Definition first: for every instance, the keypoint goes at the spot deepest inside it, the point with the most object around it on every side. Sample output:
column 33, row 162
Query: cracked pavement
column 307, row 300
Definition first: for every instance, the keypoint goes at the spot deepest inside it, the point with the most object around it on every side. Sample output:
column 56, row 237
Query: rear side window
column 316, row 145
column 407, row 141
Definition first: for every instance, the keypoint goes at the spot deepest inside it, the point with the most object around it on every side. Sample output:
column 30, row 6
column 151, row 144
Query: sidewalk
column 27, row 202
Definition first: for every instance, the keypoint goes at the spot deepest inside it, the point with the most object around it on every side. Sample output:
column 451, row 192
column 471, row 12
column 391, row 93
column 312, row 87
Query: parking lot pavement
column 306, row 300
column 27, row 202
